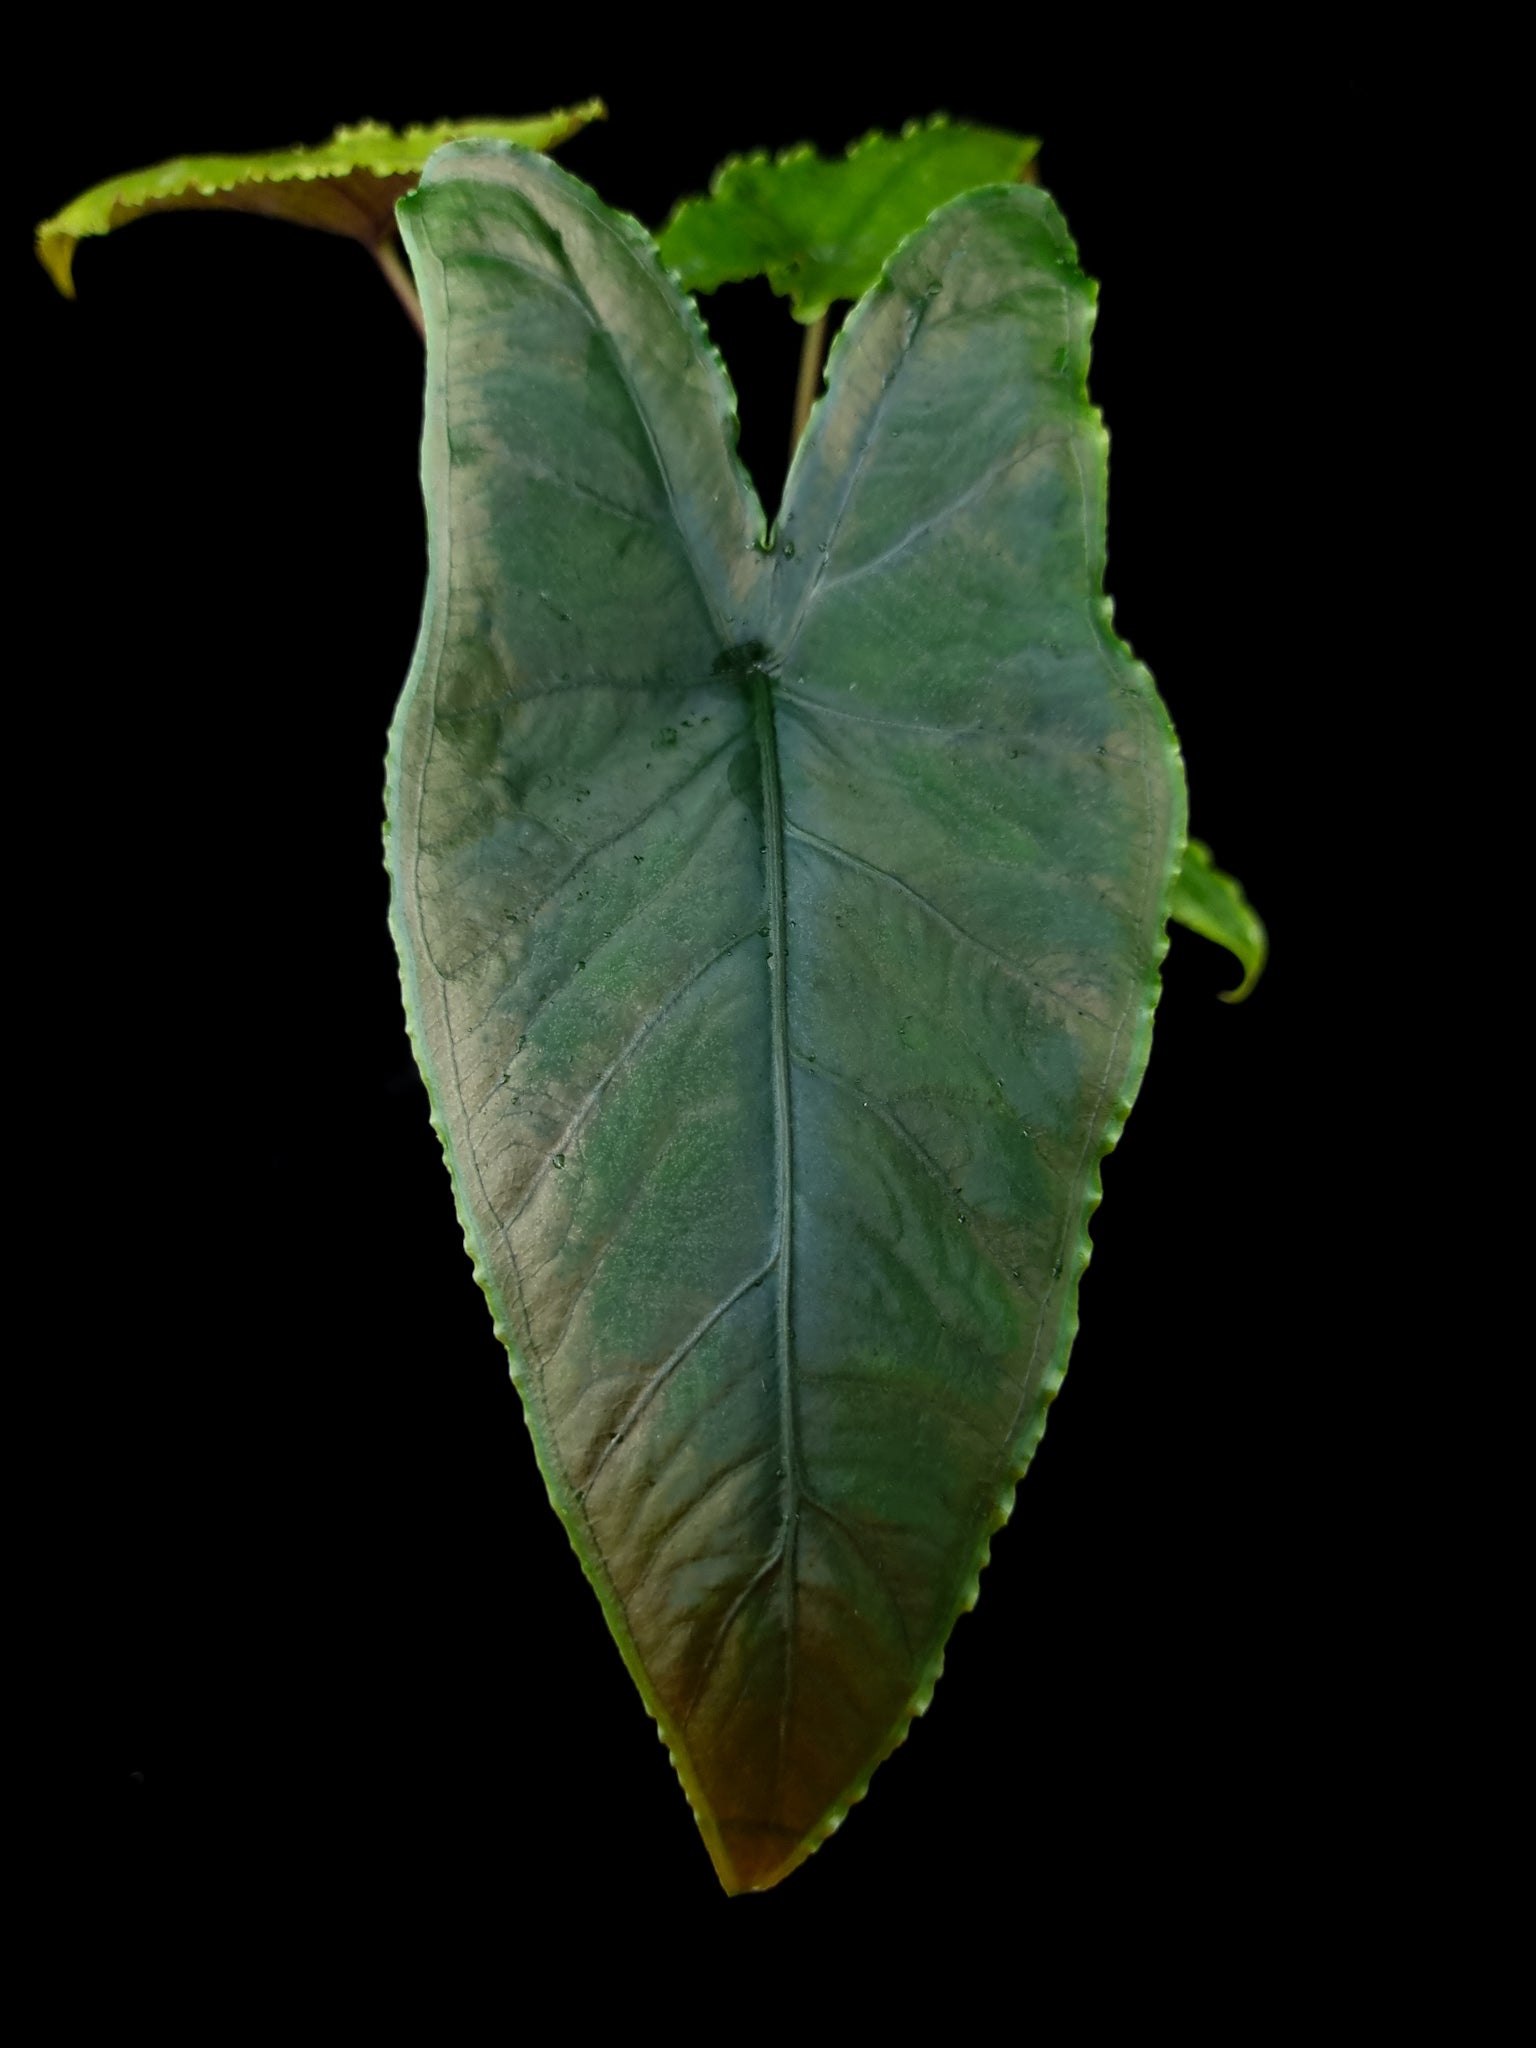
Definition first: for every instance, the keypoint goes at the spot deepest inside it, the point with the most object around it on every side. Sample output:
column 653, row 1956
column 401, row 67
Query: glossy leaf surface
column 779, row 929
column 1211, row 902
column 347, row 186
column 821, row 229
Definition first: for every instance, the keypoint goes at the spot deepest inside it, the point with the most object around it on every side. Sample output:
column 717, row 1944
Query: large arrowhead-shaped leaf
column 347, row 186
column 780, row 930
column 822, row 229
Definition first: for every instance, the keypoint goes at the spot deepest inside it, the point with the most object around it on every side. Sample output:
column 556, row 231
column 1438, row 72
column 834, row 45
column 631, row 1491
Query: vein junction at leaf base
column 780, row 926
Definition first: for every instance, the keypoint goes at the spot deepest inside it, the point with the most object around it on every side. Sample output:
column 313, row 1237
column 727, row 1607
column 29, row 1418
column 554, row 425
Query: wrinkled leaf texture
column 821, row 229
column 780, row 923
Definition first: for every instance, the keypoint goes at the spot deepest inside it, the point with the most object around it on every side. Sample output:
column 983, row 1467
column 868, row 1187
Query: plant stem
column 811, row 351
column 387, row 256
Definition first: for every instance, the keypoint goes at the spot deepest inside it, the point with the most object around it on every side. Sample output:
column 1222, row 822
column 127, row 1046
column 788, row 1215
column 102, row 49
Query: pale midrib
column 773, row 845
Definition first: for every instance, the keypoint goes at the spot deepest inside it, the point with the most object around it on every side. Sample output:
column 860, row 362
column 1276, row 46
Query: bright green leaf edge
column 1138, row 1021
column 821, row 229
column 1209, row 901
column 369, row 147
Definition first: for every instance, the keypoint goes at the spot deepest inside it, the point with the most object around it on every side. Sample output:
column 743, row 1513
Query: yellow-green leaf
column 1208, row 901
column 347, row 186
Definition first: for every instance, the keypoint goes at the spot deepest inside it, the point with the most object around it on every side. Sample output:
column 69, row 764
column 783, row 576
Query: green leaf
column 820, row 231
column 1212, row 903
column 779, row 926
column 347, row 186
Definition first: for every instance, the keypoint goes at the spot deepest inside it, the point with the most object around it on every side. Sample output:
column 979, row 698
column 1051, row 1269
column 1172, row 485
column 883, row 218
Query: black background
column 345, row 1638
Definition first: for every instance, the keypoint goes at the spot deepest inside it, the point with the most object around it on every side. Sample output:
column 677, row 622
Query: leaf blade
column 820, row 229
column 347, row 185
column 675, row 1219
column 970, row 757
column 590, row 451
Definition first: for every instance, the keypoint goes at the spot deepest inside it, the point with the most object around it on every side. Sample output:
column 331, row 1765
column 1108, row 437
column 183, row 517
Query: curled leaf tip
column 56, row 253
column 1250, row 980
column 1207, row 900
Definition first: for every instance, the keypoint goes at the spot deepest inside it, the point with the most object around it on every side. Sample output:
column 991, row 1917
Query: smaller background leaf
column 1208, row 901
column 346, row 186
column 820, row 230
